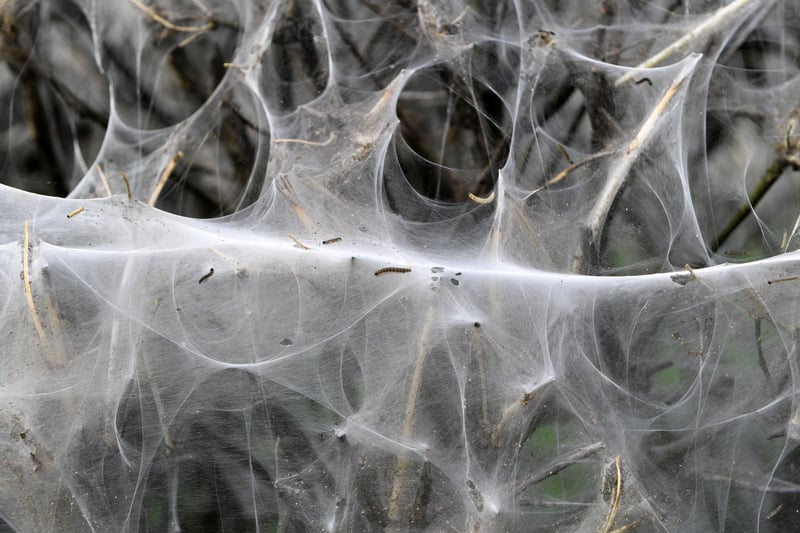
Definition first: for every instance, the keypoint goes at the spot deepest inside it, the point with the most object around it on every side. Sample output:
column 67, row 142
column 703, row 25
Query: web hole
column 53, row 100
column 450, row 140
column 295, row 67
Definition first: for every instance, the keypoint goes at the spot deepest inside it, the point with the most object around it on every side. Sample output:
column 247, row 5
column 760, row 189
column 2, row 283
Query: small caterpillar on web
column 398, row 270
column 206, row 276
column 75, row 212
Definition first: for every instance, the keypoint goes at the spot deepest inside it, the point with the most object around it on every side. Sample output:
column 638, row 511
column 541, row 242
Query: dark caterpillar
column 398, row 270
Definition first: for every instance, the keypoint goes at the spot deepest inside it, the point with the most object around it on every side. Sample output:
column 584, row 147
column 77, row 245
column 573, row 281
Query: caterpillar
column 781, row 280
column 75, row 213
column 477, row 199
column 206, row 276
column 398, row 270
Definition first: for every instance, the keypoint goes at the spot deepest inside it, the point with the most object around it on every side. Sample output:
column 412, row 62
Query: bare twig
column 617, row 495
column 163, row 179
column 769, row 178
column 285, row 187
column 330, row 139
column 694, row 275
column 169, row 25
column 565, row 154
column 58, row 354
column 775, row 487
column 720, row 17
column 401, row 481
column 599, row 213
column 103, row 179
column 509, row 413
column 29, row 295
column 187, row 41
column 786, row 239
column 762, row 361
column 297, row 242
column 482, row 376
column 788, row 150
column 627, row 527
column 567, row 171
column 159, row 403
column 551, row 470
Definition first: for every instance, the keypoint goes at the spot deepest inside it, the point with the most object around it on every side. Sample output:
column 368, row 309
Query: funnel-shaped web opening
column 295, row 66
column 161, row 77
column 55, row 99
column 450, row 143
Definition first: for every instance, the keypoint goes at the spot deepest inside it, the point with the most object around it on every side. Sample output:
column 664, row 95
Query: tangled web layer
column 337, row 265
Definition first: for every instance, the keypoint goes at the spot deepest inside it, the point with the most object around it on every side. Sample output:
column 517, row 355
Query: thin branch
column 297, row 242
column 762, row 361
column 482, row 376
column 29, row 295
column 567, row 171
column 187, row 41
column 285, row 188
column 605, row 200
column 612, row 515
column 509, row 412
column 159, row 404
column 694, row 275
column 787, row 236
column 551, row 470
column 776, row 486
column 720, row 17
column 555, row 101
column 401, row 481
column 565, row 154
column 103, row 179
column 58, row 354
column 769, row 178
column 164, row 177
column 627, row 527
column 169, row 25
column 330, row 139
